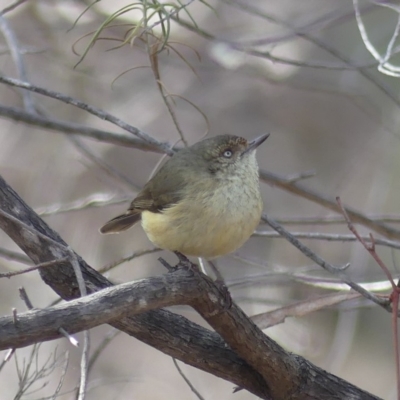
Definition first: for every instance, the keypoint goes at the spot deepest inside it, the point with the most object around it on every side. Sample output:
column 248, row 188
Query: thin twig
column 370, row 246
column 331, row 18
column 88, row 108
column 62, row 377
column 15, row 256
column 33, row 230
column 264, row 54
column 119, row 139
column 24, row 296
column 334, row 219
column 300, row 308
column 332, row 237
column 94, row 200
column 300, row 176
column 7, row 358
column 12, row 6
column 34, row 268
column 84, row 366
column 101, row 347
column 395, row 302
column 135, row 254
column 16, row 54
column 330, row 268
column 113, row 172
column 384, row 66
column 319, row 43
column 82, row 288
column 69, row 337
column 327, row 202
column 216, row 271
column 192, row 388
column 86, row 337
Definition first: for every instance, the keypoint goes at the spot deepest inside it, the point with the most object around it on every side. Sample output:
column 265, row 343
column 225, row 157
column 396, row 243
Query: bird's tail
column 122, row 222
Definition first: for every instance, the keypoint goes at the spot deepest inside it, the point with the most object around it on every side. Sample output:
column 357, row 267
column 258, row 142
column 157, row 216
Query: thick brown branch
column 98, row 308
column 283, row 371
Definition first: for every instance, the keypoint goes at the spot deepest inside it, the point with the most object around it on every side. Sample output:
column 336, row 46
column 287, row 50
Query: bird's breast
column 207, row 223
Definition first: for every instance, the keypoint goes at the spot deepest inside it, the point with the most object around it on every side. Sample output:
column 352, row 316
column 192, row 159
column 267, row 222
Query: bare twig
column 334, row 219
column 69, row 337
column 119, row 139
column 31, row 372
column 362, row 69
column 15, row 256
column 113, row 172
column 135, row 254
column 323, row 200
column 264, row 54
column 16, row 54
column 82, row 288
column 88, row 108
column 7, row 358
column 94, row 200
column 192, row 388
column 27, row 375
column 84, row 366
column 331, row 18
column 300, row 176
column 384, row 66
column 39, row 234
column 41, row 265
column 86, row 338
column 62, row 377
column 330, row 268
column 152, row 51
column 24, row 296
column 100, row 348
column 334, row 284
column 301, row 308
column 12, row 6
column 331, row 237
column 370, row 247
column 216, row 271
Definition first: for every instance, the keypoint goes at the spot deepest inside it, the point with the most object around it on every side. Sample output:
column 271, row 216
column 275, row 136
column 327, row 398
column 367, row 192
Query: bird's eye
column 227, row 153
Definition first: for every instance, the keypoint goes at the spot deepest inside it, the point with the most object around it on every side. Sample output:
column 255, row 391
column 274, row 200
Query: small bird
column 205, row 201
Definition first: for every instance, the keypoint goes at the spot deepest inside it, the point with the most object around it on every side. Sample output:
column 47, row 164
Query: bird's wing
column 163, row 190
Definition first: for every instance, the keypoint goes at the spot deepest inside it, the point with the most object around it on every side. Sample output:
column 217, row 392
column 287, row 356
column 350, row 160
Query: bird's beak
column 255, row 143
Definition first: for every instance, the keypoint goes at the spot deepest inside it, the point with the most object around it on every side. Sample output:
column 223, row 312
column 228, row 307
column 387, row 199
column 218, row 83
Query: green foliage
column 149, row 10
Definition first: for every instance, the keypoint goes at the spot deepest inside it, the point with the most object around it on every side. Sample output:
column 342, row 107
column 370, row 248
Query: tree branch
column 300, row 190
column 104, row 115
column 118, row 139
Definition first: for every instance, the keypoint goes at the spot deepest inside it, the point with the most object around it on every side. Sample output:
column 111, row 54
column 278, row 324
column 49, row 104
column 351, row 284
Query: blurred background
column 299, row 70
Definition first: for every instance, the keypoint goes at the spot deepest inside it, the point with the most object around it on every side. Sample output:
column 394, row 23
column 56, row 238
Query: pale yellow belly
column 209, row 232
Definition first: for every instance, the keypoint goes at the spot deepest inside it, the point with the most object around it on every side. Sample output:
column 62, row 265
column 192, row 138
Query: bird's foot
column 183, row 263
